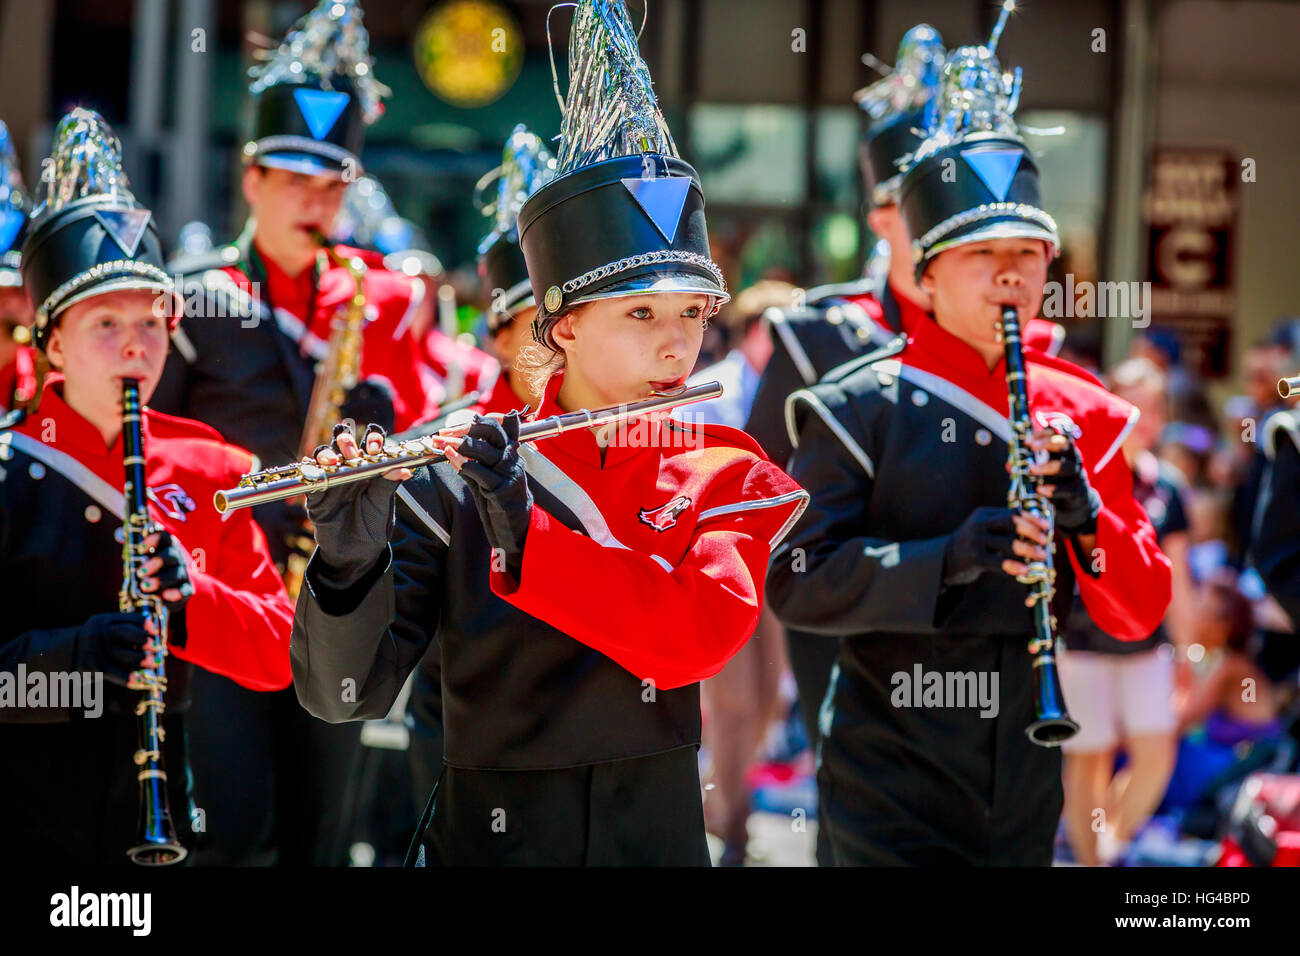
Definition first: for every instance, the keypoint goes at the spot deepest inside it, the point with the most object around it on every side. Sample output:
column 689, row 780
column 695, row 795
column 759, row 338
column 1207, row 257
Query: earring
column 704, row 324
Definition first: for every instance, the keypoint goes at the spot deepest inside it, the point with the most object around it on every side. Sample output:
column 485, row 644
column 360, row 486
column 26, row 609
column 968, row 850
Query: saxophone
column 1052, row 723
column 156, row 843
column 339, row 370
column 336, row 374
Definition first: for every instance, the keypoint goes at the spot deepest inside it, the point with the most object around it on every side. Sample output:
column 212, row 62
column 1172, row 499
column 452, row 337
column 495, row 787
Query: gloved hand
column 370, row 400
column 488, row 459
column 165, row 572
column 988, row 538
column 1065, row 482
column 113, row 644
column 353, row 521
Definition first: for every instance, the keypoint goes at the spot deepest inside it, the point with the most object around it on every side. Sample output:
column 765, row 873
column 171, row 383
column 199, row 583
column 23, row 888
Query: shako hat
column 89, row 236
column 974, row 178
column 625, row 215
column 315, row 95
column 898, row 108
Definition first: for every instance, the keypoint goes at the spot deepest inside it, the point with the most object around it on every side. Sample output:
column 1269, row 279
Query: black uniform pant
column 645, row 811
column 271, row 781
column 938, row 787
column 812, row 656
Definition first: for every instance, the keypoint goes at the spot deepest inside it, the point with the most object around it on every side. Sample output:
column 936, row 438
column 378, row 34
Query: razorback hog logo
column 1060, row 421
column 665, row 516
column 173, row 500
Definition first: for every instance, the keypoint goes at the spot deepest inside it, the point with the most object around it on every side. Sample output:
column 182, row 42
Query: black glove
column 981, row 544
column 370, row 400
column 496, row 477
column 353, row 521
column 112, row 644
column 173, row 573
column 1077, row 502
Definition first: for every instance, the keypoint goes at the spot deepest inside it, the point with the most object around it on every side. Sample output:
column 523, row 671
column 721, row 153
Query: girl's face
column 104, row 339
column 622, row 349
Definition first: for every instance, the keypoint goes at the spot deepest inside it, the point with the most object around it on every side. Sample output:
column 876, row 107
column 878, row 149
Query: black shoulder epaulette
column 840, row 290
column 889, row 350
column 219, row 257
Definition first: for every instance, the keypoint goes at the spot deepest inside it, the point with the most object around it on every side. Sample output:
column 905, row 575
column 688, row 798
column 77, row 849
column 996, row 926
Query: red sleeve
column 1126, row 582
column 672, row 627
column 238, row 621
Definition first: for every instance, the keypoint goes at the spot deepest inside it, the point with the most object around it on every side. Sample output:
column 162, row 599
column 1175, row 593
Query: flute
column 303, row 477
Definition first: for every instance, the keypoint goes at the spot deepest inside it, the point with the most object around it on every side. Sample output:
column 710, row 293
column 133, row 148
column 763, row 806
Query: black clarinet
column 1052, row 724
column 156, row 843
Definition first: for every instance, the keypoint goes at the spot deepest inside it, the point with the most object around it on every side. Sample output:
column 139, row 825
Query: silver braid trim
column 647, row 259
column 272, row 144
column 118, row 267
column 979, row 213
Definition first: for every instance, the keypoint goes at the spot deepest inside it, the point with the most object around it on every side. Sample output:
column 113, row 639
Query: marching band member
column 908, row 551
column 93, row 264
column 17, row 357
column 246, row 363
column 842, row 322
column 580, row 587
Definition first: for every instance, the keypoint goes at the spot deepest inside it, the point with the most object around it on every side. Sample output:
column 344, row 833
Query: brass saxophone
column 336, row 374
column 339, row 371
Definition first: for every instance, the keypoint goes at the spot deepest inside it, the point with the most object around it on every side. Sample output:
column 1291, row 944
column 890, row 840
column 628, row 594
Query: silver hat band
column 274, row 144
column 920, row 247
column 118, row 267
column 658, row 257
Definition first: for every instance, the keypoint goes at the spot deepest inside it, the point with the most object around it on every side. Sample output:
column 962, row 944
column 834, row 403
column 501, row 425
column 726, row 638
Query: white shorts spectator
column 1113, row 696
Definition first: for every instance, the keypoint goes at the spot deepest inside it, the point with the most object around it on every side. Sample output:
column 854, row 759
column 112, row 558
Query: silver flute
column 306, row 476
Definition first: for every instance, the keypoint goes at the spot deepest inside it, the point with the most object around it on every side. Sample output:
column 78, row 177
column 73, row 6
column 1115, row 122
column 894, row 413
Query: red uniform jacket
column 681, row 521
column 238, row 620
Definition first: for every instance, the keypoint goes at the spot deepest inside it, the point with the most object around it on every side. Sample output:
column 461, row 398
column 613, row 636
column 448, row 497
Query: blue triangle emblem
column 11, row 220
column 661, row 200
column 126, row 226
column 996, row 167
column 321, row 109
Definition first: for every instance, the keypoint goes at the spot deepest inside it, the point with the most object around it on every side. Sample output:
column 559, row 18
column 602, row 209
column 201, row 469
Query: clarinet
column 1052, row 723
column 156, row 843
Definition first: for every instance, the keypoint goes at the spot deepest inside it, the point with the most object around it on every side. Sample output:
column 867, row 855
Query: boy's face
column 969, row 285
column 288, row 206
column 624, row 348
column 104, row 339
